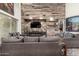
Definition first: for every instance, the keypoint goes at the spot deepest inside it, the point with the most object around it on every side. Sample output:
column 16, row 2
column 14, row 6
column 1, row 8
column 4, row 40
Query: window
column 72, row 24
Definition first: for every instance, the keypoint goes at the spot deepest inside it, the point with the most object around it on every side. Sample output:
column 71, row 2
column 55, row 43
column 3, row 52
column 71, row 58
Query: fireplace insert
column 35, row 30
column 35, row 24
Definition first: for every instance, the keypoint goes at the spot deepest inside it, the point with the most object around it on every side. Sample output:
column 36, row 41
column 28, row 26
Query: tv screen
column 35, row 25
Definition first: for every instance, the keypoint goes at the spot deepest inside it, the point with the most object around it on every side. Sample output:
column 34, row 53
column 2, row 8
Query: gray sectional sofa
column 32, row 49
column 31, row 46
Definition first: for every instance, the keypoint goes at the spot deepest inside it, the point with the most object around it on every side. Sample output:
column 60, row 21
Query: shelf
column 28, row 20
column 51, row 21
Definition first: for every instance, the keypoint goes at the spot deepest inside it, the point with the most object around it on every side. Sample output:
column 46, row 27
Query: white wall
column 17, row 14
column 72, row 9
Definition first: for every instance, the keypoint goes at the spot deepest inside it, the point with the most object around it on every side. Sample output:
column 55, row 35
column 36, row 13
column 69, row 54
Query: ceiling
column 44, row 10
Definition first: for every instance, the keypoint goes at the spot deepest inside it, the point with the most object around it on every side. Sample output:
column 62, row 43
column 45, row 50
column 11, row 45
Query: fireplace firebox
column 35, row 24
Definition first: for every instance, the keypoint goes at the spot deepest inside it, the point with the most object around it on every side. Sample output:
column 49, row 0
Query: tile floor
column 73, row 52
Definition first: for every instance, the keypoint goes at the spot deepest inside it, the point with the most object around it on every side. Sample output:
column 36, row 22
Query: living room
column 39, row 29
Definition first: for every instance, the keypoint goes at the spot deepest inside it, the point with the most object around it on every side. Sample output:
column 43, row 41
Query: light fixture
column 30, row 17
column 52, row 19
column 41, row 17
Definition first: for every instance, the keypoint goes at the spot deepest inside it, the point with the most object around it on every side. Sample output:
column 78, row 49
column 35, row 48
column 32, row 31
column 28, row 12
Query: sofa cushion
column 68, row 35
column 0, row 42
column 11, row 39
column 49, row 39
column 30, row 39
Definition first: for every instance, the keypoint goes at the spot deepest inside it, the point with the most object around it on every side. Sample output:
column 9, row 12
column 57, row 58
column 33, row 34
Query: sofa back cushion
column 49, row 39
column 30, row 39
column 11, row 40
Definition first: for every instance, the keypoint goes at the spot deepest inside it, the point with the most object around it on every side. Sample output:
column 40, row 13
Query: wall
column 57, row 10
column 17, row 14
column 72, row 9
column 7, row 25
column 8, row 22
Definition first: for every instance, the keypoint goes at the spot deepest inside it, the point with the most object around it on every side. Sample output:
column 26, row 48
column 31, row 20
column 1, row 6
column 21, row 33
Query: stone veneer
column 58, row 12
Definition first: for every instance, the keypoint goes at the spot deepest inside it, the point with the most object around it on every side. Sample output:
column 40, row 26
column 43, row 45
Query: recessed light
column 30, row 17
column 41, row 17
column 51, row 19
